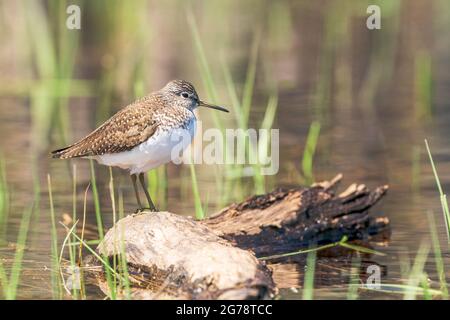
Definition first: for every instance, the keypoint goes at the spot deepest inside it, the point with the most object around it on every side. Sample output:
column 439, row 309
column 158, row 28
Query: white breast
column 157, row 150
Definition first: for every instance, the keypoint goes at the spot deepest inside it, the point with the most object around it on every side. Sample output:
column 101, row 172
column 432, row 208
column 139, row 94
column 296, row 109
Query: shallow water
column 367, row 88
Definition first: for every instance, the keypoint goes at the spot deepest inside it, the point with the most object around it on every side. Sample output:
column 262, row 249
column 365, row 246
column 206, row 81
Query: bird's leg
column 136, row 191
column 149, row 199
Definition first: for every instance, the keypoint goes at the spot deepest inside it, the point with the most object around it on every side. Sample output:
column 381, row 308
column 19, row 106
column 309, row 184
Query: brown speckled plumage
column 135, row 123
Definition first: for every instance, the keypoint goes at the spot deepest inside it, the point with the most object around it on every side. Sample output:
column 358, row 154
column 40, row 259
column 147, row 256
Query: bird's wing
column 122, row 132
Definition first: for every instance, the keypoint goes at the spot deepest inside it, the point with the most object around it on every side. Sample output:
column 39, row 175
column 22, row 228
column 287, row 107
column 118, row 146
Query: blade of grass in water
column 242, row 121
column 93, row 252
column 396, row 288
column 417, row 272
column 342, row 243
column 204, row 66
column 205, row 70
column 98, row 214
column 308, row 283
column 206, row 205
column 229, row 183
column 80, row 257
column 231, row 88
column 199, row 213
column 288, row 254
column 208, row 82
column 335, row 22
column 157, row 185
column 54, row 251
column 361, row 249
column 114, row 280
column 109, row 271
column 80, row 243
column 123, row 257
column 310, row 149
column 10, row 285
column 264, row 143
column 4, row 283
column 70, row 243
column 162, row 187
column 249, row 84
column 443, row 197
column 112, row 195
column 152, row 187
column 113, row 206
column 54, row 49
column 66, row 242
column 352, row 293
column 244, row 109
column 4, row 198
column 426, row 287
column 90, row 242
column 437, row 255
column 70, row 240
column 36, row 199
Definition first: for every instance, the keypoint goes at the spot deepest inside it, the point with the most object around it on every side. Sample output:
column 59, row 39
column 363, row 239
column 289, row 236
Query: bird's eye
column 185, row 95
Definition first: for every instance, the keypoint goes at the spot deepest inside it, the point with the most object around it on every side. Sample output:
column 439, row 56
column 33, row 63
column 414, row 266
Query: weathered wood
column 216, row 257
column 288, row 219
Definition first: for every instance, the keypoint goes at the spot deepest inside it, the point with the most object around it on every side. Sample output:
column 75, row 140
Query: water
column 367, row 88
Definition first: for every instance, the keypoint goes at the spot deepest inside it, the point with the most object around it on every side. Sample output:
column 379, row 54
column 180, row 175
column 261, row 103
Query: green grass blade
column 308, row 284
column 98, row 214
column 4, row 198
column 352, row 293
column 4, row 282
column 443, row 197
column 54, row 244
column 361, row 249
column 93, row 252
column 66, row 242
column 250, row 78
column 417, row 272
column 284, row 255
column 394, row 289
column 232, row 92
column 310, row 149
column 436, row 176
column 18, row 256
column 342, row 243
column 199, row 213
column 437, row 255
column 205, row 70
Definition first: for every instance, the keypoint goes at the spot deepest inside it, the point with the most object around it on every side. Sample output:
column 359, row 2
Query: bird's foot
column 143, row 210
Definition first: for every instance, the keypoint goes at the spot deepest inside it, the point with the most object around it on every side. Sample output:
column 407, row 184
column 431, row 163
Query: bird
column 140, row 136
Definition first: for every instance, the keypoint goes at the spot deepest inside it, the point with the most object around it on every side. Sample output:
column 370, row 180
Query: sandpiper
column 141, row 136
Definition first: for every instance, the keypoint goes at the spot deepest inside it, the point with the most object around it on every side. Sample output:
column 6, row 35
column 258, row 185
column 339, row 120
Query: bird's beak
column 212, row 106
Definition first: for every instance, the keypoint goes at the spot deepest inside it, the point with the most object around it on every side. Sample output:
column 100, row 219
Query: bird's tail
column 66, row 153
column 59, row 153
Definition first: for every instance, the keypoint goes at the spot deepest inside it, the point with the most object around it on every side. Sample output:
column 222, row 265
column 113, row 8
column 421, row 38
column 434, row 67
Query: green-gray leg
column 136, row 191
column 147, row 194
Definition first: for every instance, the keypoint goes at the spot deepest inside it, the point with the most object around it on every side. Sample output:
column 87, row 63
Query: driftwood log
column 175, row 256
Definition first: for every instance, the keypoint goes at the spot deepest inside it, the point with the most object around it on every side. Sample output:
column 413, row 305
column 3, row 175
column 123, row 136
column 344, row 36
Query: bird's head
column 183, row 94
